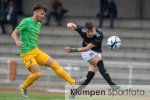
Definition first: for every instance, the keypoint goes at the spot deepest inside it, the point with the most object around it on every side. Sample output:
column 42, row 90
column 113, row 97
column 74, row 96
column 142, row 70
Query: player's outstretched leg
column 106, row 75
column 64, row 75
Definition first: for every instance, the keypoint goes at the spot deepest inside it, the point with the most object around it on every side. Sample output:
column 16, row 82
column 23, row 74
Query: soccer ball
column 114, row 42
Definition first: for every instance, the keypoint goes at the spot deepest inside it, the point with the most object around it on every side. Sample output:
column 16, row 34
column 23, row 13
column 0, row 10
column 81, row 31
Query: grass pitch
column 32, row 96
column 50, row 96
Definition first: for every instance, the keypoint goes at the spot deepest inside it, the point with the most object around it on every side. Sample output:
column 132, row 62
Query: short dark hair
column 39, row 6
column 89, row 25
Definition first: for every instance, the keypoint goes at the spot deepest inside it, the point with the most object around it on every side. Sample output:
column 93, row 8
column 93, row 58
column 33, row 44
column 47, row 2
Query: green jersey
column 29, row 30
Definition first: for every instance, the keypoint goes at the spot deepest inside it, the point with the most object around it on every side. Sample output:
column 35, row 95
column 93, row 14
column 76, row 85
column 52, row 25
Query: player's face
column 90, row 33
column 40, row 14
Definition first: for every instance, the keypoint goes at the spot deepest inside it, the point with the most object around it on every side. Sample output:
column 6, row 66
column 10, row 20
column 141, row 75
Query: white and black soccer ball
column 114, row 42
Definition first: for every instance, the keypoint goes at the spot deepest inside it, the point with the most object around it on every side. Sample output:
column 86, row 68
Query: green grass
column 32, row 96
column 50, row 96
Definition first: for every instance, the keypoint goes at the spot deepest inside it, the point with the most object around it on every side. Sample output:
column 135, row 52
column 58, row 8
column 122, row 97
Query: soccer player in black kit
column 91, row 52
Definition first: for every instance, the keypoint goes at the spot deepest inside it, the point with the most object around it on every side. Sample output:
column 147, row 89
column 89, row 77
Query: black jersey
column 95, row 40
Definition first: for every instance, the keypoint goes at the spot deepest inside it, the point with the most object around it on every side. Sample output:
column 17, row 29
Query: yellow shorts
column 35, row 56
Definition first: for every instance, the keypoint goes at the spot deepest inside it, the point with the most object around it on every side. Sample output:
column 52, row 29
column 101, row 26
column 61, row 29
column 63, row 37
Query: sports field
column 52, row 96
column 32, row 96
column 11, row 92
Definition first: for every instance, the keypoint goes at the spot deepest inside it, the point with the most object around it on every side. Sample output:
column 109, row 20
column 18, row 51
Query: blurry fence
column 124, row 73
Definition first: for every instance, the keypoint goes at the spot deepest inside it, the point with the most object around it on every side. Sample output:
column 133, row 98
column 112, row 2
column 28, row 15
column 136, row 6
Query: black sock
column 89, row 76
column 104, row 72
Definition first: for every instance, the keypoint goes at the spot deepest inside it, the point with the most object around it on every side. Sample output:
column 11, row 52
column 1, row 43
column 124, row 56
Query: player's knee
column 38, row 74
column 99, row 63
column 55, row 65
column 93, row 68
column 101, row 67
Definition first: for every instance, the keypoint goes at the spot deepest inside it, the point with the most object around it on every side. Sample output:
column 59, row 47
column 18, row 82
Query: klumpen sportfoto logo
column 111, row 91
column 108, row 92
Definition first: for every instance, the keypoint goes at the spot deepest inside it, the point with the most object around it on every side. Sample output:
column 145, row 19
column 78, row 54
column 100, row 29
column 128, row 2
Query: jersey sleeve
column 22, row 25
column 80, row 30
column 98, row 40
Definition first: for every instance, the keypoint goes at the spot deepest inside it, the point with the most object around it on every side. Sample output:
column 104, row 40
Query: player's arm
column 78, row 28
column 80, row 49
column 14, row 35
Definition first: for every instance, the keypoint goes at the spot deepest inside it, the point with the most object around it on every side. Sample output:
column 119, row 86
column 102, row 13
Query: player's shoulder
column 80, row 27
column 25, row 20
column 99, row 32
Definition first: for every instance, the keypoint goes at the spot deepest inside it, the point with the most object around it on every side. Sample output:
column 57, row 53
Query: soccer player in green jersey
column 32, row 56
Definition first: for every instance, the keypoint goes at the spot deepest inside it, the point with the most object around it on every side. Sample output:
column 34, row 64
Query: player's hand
column 19, row 44
column 72, row 26
column 67, row 49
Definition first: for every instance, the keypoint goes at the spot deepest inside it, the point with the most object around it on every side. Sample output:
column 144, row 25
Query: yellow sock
column 31, row 78
column 62, row 73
